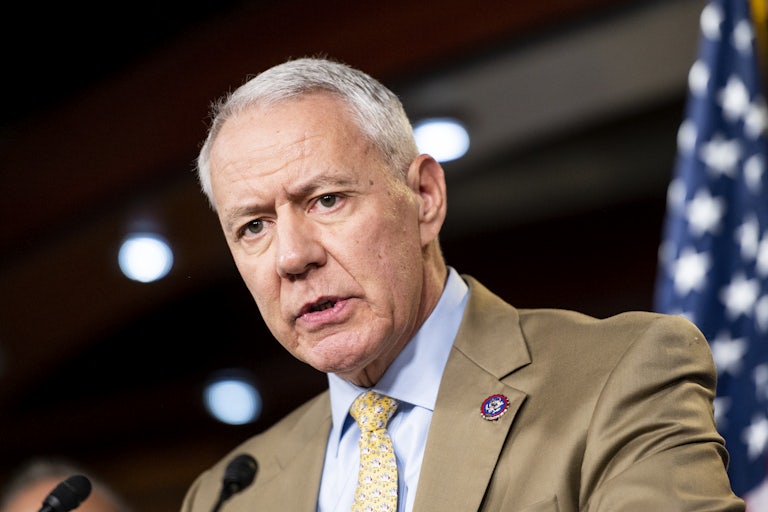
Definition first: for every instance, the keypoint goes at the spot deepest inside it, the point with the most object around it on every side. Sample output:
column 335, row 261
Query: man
column 332, row 217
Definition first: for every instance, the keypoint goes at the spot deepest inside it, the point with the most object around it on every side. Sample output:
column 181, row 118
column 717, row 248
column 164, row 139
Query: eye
column 254, row 227
column 327, row 200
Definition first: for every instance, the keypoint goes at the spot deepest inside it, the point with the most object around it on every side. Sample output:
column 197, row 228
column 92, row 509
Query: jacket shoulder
column 273, row 449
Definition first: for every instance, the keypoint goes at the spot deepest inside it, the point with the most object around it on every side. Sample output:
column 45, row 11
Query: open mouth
column 322, row 306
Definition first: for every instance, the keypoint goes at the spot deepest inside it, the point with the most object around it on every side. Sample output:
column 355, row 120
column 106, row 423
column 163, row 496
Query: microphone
column 67, row 495
column 238, row 475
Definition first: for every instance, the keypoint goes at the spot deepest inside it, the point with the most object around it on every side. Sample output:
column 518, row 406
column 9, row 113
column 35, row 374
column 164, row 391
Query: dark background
column 574, row 105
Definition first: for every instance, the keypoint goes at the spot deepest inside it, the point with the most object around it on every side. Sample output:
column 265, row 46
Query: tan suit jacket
column 605, row 415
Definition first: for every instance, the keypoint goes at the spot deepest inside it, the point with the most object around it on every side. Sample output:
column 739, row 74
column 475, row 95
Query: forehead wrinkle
column 258, row 163
column 298, row 191
column 289, row 153
column 263, row 147
column 305, row 184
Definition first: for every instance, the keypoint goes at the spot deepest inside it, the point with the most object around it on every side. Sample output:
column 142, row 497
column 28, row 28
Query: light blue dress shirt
column 413, row 379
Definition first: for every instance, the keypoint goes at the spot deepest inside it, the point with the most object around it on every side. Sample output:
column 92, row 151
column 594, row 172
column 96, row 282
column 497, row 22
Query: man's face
column 325, row 237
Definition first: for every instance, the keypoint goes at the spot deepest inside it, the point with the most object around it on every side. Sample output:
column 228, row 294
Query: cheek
column 390, row 260
column 391, row 228
column 386, row 248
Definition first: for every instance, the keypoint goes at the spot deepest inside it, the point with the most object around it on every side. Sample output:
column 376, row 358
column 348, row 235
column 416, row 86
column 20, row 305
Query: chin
column 343, row 366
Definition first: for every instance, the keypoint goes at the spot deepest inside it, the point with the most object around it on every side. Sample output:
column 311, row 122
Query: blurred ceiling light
column 233, row 400
column 443, row 138
column 145, row 257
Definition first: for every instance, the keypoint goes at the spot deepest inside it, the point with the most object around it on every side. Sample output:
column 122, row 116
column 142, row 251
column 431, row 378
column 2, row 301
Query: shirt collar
column 414, row 376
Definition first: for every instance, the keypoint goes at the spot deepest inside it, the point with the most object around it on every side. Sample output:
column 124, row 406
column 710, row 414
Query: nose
column 299, row 248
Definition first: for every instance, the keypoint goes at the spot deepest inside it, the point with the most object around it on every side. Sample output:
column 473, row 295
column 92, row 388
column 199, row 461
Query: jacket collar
column 463, row 446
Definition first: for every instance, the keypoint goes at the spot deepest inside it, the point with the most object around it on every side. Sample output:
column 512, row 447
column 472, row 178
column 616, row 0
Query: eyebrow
column 323, row 181
column 230, row 218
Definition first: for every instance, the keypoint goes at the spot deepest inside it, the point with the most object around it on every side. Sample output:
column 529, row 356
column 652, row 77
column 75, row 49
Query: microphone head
column 239, row 474
column 68, row 494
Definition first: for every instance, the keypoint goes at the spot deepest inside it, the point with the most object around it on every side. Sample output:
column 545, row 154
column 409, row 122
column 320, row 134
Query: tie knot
column 372, row 410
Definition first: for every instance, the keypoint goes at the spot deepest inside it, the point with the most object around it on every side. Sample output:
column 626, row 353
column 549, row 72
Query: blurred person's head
column 34, row 481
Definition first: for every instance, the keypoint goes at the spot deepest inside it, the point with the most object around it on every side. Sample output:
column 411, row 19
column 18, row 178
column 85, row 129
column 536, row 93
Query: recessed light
column 444, row 138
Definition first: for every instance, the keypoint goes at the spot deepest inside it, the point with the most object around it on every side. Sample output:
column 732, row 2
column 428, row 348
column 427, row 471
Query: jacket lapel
column 291, row 468
column 463, row 446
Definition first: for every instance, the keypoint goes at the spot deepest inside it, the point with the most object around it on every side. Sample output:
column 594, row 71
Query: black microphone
column 67, row 495
column 238, row 475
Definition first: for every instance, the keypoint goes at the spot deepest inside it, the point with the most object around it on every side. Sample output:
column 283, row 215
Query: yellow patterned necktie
column 377, row 480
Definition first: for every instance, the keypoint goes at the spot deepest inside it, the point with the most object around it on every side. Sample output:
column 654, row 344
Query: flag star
column 762, row 256
column 722, row 405
column 704, row 213
column 690, row 271
column 727, row 353
column 666, row 254
column 742, row 37
column 686, row 136
column 688, row 315
column 740, row 295
column 748, row 237
column 756, row 436
column 756, row 119
column 721, row 155
column 698, row 78
column 710, row 20
column 754, row 168
column 734, row 98
column 760, row 375
column 761, row 313
column 676, row 195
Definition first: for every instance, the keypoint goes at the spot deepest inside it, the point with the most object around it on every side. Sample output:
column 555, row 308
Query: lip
column 322, row 311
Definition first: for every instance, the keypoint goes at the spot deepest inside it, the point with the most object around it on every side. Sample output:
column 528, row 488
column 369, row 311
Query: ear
column 427, row 178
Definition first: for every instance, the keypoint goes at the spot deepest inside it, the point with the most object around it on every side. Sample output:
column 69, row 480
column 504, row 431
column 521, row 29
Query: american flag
column 713, row 259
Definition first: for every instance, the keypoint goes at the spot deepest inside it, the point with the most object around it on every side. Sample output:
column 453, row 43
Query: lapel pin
column 494, row 407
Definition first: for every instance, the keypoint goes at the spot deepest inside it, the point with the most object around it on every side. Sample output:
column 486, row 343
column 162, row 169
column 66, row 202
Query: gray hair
column 376, row 110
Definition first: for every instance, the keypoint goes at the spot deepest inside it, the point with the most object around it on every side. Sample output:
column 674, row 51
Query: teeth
column 323, row 306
